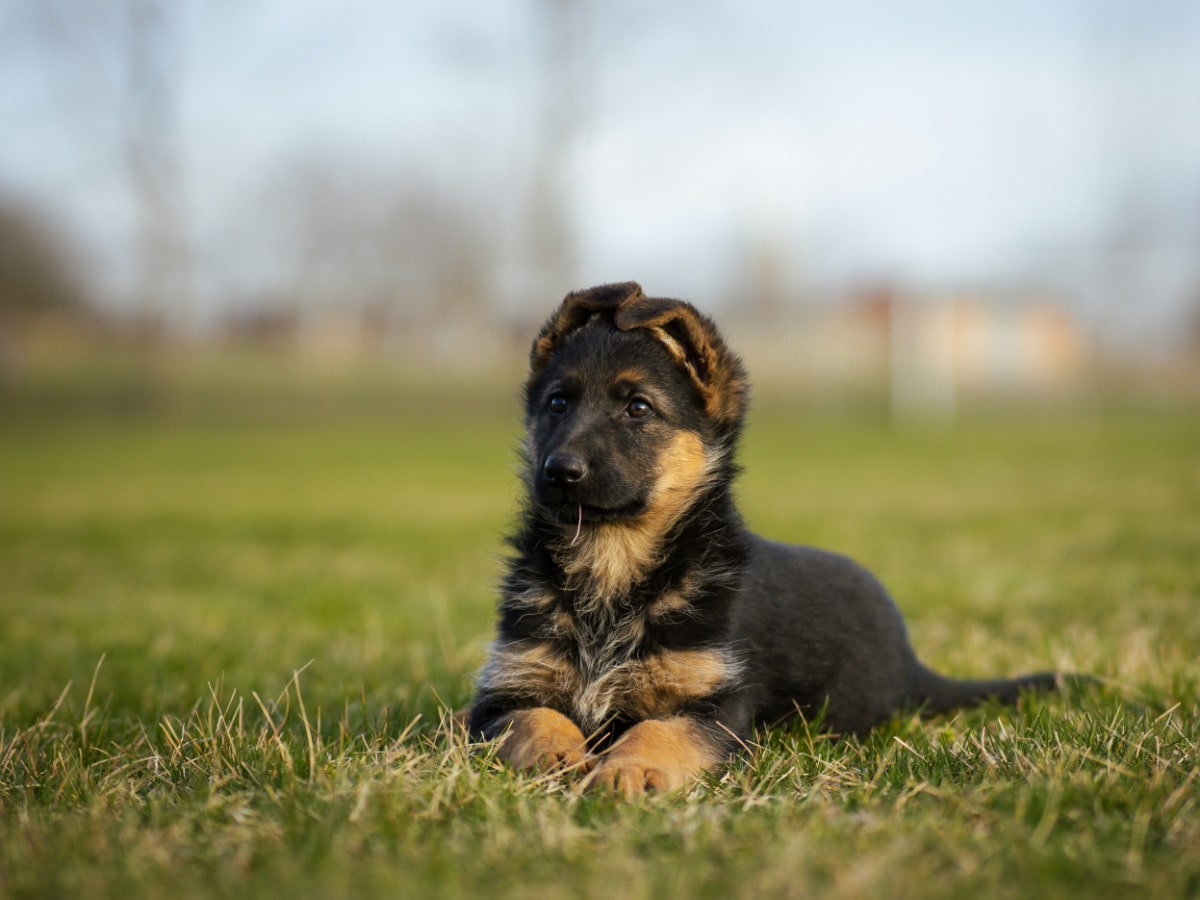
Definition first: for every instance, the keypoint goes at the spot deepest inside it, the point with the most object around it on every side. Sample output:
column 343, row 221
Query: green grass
column 228, row 638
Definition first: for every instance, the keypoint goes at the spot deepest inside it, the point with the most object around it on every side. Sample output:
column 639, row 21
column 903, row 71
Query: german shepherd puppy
column 643, row 631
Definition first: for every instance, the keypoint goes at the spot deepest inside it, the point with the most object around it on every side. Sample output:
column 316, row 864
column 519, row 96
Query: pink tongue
column 578, row 527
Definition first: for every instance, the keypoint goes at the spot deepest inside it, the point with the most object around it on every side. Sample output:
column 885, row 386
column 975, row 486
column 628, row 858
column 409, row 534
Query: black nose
column 564, row 468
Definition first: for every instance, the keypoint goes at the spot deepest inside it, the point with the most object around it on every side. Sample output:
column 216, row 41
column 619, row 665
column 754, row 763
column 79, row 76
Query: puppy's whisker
column 578, row 527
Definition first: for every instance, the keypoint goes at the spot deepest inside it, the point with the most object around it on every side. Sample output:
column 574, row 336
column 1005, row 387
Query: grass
column 229, row 635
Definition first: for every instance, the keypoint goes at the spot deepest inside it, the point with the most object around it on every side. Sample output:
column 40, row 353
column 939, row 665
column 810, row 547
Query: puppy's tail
column 934, row 693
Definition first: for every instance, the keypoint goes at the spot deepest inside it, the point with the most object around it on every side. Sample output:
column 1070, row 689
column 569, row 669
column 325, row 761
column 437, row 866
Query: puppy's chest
column 601, row 638
column 614, row 664
column 596, row 640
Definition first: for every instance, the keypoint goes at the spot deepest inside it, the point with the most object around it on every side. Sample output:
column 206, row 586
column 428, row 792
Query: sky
column 933, row 142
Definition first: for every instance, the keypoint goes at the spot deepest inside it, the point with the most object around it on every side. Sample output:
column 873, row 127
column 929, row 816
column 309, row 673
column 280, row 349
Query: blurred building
column 942, row 348
column 928, row 351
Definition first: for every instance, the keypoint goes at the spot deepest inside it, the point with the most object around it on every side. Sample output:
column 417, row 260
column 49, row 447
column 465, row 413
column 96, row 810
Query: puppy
column 643, row 631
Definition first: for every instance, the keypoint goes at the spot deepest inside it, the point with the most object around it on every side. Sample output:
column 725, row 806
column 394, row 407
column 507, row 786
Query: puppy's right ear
column 577, row 309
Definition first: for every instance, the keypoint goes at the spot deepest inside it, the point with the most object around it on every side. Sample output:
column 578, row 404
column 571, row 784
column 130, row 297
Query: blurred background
column 926, row 203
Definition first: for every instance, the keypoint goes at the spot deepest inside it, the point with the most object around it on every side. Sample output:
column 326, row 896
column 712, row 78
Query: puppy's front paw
column 656, row 755
column 543, row 739
column 632, row 777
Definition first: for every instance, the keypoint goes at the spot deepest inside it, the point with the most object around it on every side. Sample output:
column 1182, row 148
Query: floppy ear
column 693, row 340
column 577, row 308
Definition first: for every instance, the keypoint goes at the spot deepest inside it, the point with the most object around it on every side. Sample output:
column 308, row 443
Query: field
column 231, row 627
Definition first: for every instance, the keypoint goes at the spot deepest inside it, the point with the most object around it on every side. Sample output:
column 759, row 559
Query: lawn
column 230, row 633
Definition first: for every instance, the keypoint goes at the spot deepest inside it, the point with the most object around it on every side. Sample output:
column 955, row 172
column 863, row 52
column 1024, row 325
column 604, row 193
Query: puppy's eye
column 639, row 409
column 557, row 405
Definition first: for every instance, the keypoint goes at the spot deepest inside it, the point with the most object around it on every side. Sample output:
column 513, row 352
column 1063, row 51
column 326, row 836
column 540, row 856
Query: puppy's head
column 631, row 404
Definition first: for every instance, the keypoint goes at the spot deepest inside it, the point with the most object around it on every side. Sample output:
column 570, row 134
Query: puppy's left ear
column 693, row 339
column 576, row 310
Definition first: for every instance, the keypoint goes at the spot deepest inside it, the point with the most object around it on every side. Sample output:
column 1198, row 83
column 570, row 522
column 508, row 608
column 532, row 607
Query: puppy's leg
column 541, row 738
column 658, row 755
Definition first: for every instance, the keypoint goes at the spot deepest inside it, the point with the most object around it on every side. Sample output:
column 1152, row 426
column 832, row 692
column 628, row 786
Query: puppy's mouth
column 570, row 514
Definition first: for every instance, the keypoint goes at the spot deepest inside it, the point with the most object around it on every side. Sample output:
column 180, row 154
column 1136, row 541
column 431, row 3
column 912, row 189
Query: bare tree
column 128, row 55
column 152, row 155
column 389, row 249
column 38, row 268
column 39, row 279
column 560, row 42
column 1147, row 265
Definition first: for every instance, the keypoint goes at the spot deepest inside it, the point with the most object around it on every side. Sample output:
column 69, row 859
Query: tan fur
column 673, row 346
column 544, row 347
column 562, row 625
column 655, row 755
column 684, row 466
column 665, row 682
column 535, row 599
column 531, row 670
column 693, row 341
column 610, row 557
column 655, row 686
column 631, row 377
column 542, row 738
column 677, row 604
column 576, row 308
column 637, row 688
column 668, row 605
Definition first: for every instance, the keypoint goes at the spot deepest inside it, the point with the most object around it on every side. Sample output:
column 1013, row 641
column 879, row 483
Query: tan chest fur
column 655, row 686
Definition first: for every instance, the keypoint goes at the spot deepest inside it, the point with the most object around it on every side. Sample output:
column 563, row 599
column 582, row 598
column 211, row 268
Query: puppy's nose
column 564, row 468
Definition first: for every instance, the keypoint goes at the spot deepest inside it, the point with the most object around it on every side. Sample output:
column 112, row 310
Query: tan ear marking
column 574, row 312
column 693, row 340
